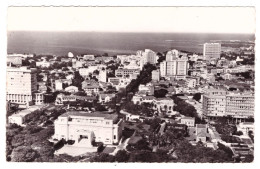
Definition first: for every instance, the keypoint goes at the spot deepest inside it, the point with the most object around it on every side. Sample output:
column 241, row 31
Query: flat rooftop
column 190, row 118
column 85, row 114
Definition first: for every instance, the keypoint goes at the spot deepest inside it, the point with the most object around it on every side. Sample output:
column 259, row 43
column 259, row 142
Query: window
column 114, row 136
column 107, row 123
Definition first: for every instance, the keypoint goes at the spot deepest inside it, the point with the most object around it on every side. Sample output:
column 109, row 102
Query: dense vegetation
column 186, row 109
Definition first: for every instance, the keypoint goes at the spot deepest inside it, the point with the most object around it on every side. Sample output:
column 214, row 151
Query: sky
column 133, row 19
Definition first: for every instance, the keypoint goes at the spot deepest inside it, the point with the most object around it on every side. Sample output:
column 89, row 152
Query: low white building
column 23, row 115
column 91, row 87
column 164, row 106
column 189, row 121
column 20, row 117
column 88, row 127
column 72, row 89
column 61, row 98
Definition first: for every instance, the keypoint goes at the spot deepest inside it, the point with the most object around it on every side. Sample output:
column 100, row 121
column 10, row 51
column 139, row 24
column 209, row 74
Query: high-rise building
column 214, row 103
column 212, row 50
column 147, row 56
column 21, row 85
column 175, row 65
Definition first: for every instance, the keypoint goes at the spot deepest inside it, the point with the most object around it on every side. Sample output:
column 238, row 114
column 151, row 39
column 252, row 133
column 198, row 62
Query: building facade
column 175, row 65
column 102, row 76
column 127, row 72
column 21, row 85
column 220, row 103
column 212, row 50
column 156, row 75
column 214, row 103
column 75, row 125
column 240, row 105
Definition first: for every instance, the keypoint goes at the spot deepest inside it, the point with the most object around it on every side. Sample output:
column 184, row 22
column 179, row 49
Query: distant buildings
column 175, row 65
column 89, row 57
column 211, row 50
column 102, row 75
column 21, row 85
column 147, row 56
column 43, row 63
column 20, row 55
column 156, row 75
column 88, row 127
column 147, row 89
column 119, row 82
column 104, row 59
column 60, row 82
column 191, row 82
column 91, row 87
column 71, row 89
column 129, row 73
column 63, row 99
column 15, row 60
column 77, row 63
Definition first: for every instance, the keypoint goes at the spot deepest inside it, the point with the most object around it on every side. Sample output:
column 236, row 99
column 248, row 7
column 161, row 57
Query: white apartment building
column 88, row 127
column 102, row 76
column 240, row 105
column 212, row 50
column 220, row 103
column 191, row 82
column 21, row 85
column 214, row 103
column 175, row 65
column 147, row 56
column 156, row 75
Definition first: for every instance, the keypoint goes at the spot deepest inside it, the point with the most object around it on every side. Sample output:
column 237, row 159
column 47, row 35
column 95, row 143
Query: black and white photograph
column 130, row 84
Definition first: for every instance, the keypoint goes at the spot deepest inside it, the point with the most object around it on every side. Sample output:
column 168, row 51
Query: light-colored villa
column 88, row 127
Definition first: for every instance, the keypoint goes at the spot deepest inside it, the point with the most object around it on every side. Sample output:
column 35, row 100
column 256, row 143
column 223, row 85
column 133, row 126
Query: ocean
column 60, row 43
